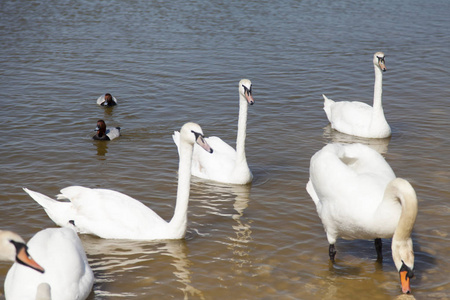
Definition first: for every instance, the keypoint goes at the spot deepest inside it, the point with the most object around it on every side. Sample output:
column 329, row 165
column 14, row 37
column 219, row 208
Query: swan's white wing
column 60, row 252
column 105, row 213
column 349, row 181
column 351, row 117
column 111, row 214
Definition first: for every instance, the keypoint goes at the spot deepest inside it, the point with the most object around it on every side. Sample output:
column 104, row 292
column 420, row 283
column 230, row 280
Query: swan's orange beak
column 404, row 279
column 200, row 139
column 249, row 98
column 25, row 259
column 382, row 66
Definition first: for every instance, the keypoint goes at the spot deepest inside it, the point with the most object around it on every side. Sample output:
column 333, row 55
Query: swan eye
column 248, row 91
column 197, row 134
column 409, row 272
column 380, row 59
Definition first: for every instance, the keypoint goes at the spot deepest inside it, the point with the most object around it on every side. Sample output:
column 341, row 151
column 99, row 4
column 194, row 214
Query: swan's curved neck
column 179, row 219
column 398, row 195
column 400, row 190
column 378, row 89
column 242, row 131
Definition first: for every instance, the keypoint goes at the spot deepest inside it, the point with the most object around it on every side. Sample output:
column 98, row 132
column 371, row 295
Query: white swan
column 110, row 214
column 358, row 118
column 357, row 196
column 67, row 273
column 225, row 164
column 14, row 249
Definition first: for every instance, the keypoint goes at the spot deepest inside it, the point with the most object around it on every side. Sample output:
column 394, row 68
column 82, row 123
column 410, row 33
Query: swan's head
column 403, row 255
column 378, row 61
column 13, row 248
column 101, row 127
column 245, row 89
column 402, row 245
column 192, row 133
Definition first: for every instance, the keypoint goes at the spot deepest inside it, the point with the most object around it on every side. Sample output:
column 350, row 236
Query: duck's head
column 378, row 61
column 101, row 127
column 192, row 133
column 108, row 98
column 245, row 89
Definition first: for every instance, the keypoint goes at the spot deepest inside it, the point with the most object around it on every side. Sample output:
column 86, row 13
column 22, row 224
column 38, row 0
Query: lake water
column 169, row 62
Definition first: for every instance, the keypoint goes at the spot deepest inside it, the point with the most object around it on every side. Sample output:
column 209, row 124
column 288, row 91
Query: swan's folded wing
column 110, row 214
column 312, row 193
column 349, row 116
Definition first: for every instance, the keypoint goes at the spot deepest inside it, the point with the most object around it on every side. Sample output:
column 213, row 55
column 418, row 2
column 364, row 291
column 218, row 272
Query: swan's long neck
column 179, row 219
column 242, row 131
column 378, row 90
column 400, row 190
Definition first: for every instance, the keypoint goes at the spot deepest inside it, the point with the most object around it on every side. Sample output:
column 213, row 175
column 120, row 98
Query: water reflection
column 113, row 259
column 242, row 229
column 238, row 243
column 102, row 147
column 108, row 111
column 379, row 145
column 177, row 249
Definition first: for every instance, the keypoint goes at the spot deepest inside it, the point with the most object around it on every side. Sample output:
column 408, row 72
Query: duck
column 104, row 134
column 225, row 165
column 14, row 249
column 67, row 276
column 358, row 196
column 107, row 100
column 113, row 215
column 358, row 118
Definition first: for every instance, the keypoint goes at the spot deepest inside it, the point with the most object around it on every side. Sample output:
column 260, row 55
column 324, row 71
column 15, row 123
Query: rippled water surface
column 169, row 62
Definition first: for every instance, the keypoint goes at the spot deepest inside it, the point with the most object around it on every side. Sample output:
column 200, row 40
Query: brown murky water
column 172, row 62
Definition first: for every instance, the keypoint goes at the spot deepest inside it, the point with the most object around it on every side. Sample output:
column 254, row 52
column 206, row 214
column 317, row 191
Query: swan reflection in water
column 379, row 145
column 216, row 198
column 120, row 264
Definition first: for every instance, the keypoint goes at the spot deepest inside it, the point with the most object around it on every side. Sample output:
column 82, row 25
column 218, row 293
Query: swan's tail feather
column 327, row 103
column 43, row 200
column 176, row 139
column 59, row 212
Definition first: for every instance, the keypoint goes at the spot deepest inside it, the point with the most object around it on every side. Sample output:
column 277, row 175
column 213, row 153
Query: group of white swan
column 355, row 191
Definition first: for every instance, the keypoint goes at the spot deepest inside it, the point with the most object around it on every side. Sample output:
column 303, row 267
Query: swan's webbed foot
column 332, row 252
column 378, row 248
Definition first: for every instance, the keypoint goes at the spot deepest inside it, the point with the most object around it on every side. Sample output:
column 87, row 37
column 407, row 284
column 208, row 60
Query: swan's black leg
column 332, row 252
column 379, row 247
